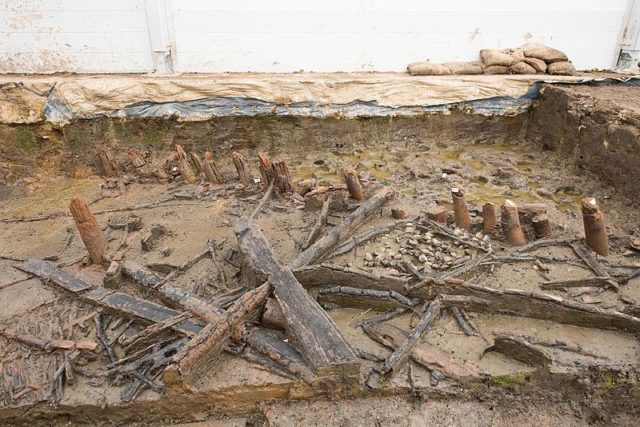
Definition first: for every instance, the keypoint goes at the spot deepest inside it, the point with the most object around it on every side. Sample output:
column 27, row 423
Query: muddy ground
column 530, row 158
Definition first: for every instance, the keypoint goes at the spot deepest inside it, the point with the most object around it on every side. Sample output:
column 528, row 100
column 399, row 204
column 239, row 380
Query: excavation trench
column 536, row 341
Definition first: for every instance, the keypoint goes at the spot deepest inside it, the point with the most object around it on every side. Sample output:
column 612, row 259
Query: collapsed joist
column 423, row 354
column 323, row 246
column 536, row 305
column 196, row 358
column 396, row 360
column 176, row 295
column 315, row 334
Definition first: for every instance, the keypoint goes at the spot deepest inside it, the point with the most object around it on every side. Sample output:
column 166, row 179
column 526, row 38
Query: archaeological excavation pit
column 270, row 251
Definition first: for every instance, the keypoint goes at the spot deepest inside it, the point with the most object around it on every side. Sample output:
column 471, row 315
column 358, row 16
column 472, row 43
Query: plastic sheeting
column 61, row 99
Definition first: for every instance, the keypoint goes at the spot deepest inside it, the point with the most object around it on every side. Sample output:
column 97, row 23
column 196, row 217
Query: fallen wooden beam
column 121, row 303
column 535, row 305
column 322, row 247
column 365, row 298
column 327, row 275
column 279, row 352
column 316, row 335
column 47, row 344
column 197, row 357
column 424, row 354
column 172, row 293
column 396, row 360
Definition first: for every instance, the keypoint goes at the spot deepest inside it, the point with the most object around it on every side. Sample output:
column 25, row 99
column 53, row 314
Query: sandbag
column 522, row 68
column 563, row 68
column 538, row 64
column 427, row 69
column 462, row 68
column 495, row 57
column 516, row 54
column 544, row 52
column 496, row 69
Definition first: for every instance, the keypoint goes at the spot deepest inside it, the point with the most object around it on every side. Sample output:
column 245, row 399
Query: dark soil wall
column 597, row 129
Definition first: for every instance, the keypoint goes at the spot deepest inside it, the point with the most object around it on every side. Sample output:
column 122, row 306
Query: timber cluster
column 277, row 319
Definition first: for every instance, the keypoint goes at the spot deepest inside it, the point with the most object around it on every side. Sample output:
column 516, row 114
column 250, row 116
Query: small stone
column 166, row 251
column 479, row 235
column 413, row 242
column 487, row 238
column 457, row 232
column 410, row 230
column 453, row 254
column 422, row 258
column 368, row 256
column 424, row 250
column 467, row 252
column 435, row 242
column 448, row 259
column 431, row 259
column 398, row 257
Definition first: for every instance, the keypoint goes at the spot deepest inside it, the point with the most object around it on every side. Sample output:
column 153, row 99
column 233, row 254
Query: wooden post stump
column 282, row 177
column 541, row 225
column 184, row 167
column 353, row 183
column 211, row 171
column 438, row 214
column 595, row 229
column 463, row 220
column 90, row 231
column 489, row 218
column 243, row 170
column 266, row 170
column 197, row 163
column 109, row 165
column 511, row 224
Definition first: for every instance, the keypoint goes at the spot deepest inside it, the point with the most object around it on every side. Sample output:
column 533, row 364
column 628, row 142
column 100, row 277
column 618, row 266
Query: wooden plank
column 536, row 305
column 316, row 335
column 48, row 270
column 139, row 308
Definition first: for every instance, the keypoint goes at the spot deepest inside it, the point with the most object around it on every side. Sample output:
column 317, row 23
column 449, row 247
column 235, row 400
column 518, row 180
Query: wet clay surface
column 493, row 164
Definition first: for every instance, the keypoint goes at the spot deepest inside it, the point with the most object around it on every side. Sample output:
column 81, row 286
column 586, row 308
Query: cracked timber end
column 595, row 230
column 353, row 184
column 511, row 224
column 460, row 210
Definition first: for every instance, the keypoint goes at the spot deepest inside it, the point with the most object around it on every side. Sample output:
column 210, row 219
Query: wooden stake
column 595, row 229
column 282, row 177
column 211, row 170
column 266, row 170
column 243, row 170
column 511, row 224
column 463, row 220
column 438, row 214
column 353, row 183
column 184, row 167
column 108, row 163
column 489, row 218
column 90, row 231
column 197, row 163
column 541, row 225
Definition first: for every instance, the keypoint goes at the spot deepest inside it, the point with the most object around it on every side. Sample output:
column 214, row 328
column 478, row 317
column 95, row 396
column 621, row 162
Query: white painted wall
column 292, row 35
column 88, row 36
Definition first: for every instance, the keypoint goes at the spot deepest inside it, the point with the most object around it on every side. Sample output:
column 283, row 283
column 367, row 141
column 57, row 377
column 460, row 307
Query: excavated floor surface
column 420, row 158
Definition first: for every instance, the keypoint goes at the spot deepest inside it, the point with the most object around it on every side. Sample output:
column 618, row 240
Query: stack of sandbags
column 556, row 61
column 530, row 58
